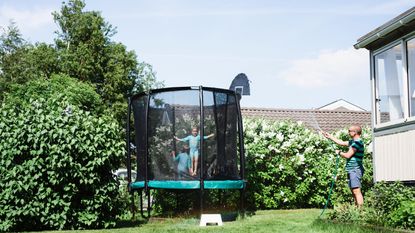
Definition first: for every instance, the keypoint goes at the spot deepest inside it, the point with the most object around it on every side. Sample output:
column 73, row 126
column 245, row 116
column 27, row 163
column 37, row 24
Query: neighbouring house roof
column 315, row 119
column 341, row 104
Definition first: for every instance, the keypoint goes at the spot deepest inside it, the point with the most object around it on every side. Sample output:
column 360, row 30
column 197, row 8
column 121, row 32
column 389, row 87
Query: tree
column 88, row 53
column 21, row 62
column 83, row 50
column 12, row 49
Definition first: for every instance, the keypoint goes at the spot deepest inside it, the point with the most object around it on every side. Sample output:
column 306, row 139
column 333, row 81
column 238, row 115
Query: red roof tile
column 315, row 119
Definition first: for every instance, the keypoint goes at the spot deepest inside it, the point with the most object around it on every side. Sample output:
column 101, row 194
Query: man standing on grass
column 354, row 164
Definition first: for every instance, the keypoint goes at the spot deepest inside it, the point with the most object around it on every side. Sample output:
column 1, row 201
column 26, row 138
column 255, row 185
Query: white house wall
column 394, row 157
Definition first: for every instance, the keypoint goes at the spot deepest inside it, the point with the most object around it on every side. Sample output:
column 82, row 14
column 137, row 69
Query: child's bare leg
column 195, row 162
column 193, row 166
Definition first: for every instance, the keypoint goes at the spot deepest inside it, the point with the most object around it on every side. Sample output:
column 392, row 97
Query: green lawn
column 302, row 220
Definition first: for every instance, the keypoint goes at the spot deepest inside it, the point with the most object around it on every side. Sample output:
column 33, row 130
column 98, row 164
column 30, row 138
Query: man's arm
column 336, row 140
column 347, row 154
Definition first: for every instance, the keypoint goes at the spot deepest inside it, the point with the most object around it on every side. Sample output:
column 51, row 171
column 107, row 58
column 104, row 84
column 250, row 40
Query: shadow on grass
column 333, row 226
column 131, row 223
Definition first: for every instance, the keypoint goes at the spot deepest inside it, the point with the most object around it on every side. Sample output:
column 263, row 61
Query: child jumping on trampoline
column 183, row 165
column 194, row 139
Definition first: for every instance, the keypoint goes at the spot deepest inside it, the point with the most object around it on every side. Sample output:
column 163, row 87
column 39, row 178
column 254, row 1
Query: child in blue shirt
column 183, row 165
column 194, row 140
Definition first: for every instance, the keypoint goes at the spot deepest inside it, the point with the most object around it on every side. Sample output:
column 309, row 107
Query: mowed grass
column 301, row 220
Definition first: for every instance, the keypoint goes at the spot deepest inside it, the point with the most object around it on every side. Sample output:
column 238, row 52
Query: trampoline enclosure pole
column 202, row 152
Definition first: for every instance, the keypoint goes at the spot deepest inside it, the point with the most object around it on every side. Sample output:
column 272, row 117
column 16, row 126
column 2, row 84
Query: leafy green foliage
column 76, row 93
column 55, row 167
column 386, row 204
column 404, row 216
column 290, row 166
column 21, row 61
column 12, row 51
column 84, row 50
column 387, row 197
column 89, row 54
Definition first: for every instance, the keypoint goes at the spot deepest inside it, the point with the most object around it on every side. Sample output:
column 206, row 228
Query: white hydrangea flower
column 261, row 156
column 280, row 137
column 301, row 158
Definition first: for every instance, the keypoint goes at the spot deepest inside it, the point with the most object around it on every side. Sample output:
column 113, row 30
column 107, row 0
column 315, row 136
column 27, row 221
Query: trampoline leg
column 148, row 203
column 141, row 204
column 201, row 201
column 177, row 200
column 132, row 204
column 242, row 202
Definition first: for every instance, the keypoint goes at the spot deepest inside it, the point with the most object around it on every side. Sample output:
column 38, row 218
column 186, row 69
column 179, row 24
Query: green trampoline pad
column 224, row 184
column 174, row 184
column 190, row 184
column 137, row 185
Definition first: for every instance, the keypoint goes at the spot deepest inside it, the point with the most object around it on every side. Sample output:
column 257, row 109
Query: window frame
column 403, row 41
column 410, row 37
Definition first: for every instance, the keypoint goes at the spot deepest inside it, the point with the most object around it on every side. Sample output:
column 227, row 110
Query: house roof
column 341, row 104
column 391, row 30
column 314, row 119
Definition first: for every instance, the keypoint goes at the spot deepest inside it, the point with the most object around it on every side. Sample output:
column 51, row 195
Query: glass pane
column 411, row 68
column 388, row 72
column 172, row 117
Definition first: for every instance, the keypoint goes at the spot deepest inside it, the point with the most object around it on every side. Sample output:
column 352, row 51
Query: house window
column 389, row 81
column 411, row 74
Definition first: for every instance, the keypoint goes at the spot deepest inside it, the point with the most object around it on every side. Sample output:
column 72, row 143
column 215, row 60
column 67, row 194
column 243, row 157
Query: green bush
column 291, row 166
column 55, row 167
column 347, row 213
column 387, row 197
column 77, row 93
column 404, row 216
column 386, row 204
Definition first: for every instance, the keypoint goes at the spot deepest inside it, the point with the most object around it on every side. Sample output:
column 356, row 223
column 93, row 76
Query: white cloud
column 330, row 68
column 27, row 20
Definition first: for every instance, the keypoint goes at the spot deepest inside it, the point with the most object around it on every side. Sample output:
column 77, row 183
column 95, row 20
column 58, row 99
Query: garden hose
column 332, row 185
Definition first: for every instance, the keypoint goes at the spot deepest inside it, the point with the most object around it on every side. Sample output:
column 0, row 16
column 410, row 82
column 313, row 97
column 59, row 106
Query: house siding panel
column 395, row 157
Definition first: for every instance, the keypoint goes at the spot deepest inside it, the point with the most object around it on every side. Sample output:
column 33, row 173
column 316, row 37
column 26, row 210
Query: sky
column 297, row 54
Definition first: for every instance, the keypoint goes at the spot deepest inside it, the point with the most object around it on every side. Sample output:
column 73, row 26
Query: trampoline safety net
column 167, row 126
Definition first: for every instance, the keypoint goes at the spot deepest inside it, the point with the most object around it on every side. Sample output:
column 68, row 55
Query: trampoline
column 185, row 138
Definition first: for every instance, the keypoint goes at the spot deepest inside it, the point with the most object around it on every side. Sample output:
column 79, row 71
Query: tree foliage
column 88, row 53
column 77, row 93
column 83, row 49
column 21, row 62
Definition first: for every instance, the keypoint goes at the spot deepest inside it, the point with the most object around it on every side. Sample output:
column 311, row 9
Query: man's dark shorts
column 355, row 177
